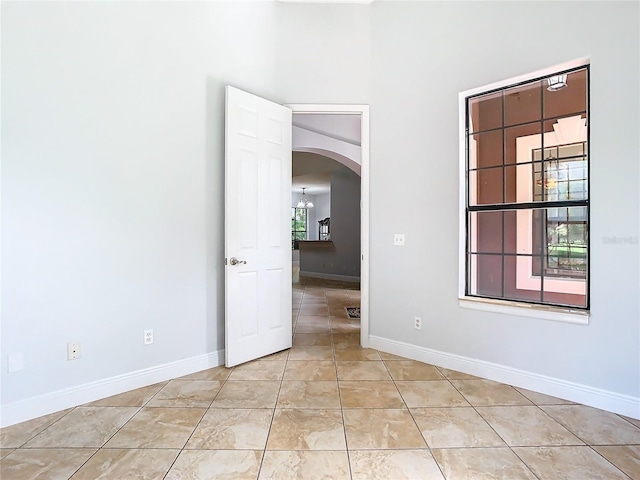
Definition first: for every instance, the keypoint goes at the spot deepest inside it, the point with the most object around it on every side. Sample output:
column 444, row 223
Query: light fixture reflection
column 557, row 82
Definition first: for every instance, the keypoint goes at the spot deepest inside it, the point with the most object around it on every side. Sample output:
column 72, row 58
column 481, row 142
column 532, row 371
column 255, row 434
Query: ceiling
column 311, row 170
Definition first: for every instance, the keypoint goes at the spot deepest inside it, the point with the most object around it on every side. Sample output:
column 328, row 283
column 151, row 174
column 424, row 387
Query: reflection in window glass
column 527, row 192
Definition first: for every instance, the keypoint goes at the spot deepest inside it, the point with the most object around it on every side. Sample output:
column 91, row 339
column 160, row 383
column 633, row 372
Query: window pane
column 528, row 144
column 568, row 100
column 523, row 136
column 486, row 232
column 523, row 104
column 485, row 186
column 485, row 149
column 511, row 290
column 485, row 275
column 485, row 112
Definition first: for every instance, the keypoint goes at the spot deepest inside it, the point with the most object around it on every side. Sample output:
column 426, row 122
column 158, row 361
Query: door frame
column 363, row 111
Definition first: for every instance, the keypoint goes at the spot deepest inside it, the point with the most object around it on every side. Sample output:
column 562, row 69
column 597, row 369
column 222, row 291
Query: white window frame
column 563, row 314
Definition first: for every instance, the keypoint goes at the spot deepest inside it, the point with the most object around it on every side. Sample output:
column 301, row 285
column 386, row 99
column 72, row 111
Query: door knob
column 235, row 261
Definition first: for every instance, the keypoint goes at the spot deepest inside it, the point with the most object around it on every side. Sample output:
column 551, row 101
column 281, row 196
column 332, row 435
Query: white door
column 257, row 227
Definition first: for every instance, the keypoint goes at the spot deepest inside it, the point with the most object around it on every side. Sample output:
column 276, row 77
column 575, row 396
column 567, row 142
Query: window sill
column 559, row 314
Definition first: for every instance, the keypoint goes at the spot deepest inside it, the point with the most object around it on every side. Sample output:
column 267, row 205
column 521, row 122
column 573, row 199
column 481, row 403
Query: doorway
column 345, row 153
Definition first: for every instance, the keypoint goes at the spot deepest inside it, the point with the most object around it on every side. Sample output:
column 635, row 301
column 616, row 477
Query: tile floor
column 325, row 409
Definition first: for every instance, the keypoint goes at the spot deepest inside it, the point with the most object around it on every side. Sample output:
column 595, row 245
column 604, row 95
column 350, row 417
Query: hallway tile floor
column 325, row 409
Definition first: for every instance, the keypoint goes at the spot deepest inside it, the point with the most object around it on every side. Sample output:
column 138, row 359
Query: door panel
column 257, row 227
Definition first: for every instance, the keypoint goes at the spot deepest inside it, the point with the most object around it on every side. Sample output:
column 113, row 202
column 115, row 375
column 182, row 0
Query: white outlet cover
column 398, row 239
column 73, row 351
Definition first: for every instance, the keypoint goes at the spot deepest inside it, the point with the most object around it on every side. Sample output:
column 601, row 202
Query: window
column 298, row 225
column 526, row 209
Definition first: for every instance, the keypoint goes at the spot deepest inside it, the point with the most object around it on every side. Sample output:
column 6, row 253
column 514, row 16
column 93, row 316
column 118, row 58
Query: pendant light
column 304, row 203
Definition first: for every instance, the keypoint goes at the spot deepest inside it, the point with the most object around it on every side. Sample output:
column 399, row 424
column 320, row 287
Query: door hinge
column 225, row 260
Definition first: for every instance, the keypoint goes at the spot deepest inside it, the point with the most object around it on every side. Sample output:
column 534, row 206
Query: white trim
column 331, row 276
column 363, row 111
column 543, row 312
column 525, row 309
column 575, row 392
column 47, row 403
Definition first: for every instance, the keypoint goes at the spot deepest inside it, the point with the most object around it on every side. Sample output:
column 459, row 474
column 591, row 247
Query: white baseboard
column 575, row 392
column 331, row 276
column 37, row 406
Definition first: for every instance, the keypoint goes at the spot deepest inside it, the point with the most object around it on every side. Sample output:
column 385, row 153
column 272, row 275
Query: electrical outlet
column 148, row 337
column 73, row 351
column 418, row 323
column 398, row 239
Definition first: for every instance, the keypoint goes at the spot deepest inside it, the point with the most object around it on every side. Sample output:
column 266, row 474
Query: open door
column 257, row 227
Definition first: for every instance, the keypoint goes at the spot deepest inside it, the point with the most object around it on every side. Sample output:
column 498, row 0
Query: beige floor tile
column 596, row 427
column 625, row 457
column 455, row 375
column 313, row 320
column 568, row 463
column 312, row 339
column 314, row 309
column 186, row 393
column 134, row 398
column 247, row 394
column 232, row 429
column 370, row 394
column 259, row 370
column 381, row 429
column 542, row 399
column 216, row 373
column 311, row 353
column 17, row 435
column 304, row 465
column 306, row 429
column 305, row 328
column 357, row 354
column 84, row 427
column 216, row 464
column 281, row 356
column 488, row 393
column 346, row 341
column 482, row 464
column 634, row 421
column 389, row 356
column 5, row 451
column 367, row 370
column 393, row 464
column 158, row 427
column 527, row 426
column 412, row 370
column 302, row 394
column 455, row 427
column 345, row 327
column 314, row 300
column 43, row 464
column 432, row 393
column 127, row 464
column 310, row 370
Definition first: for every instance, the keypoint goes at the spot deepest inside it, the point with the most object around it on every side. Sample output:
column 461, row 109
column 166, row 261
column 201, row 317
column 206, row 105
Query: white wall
column 425, row 53
column 112, row 175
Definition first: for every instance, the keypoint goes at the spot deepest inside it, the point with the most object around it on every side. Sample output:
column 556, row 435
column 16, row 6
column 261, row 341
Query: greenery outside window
column 298, row 225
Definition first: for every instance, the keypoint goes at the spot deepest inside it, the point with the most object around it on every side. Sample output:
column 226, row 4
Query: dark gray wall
column 344, row 257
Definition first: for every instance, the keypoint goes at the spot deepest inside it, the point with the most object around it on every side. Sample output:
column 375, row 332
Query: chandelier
column 304, row 203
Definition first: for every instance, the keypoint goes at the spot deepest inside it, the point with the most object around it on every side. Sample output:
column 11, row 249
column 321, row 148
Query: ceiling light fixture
column 557, row 82
column 304, row 203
